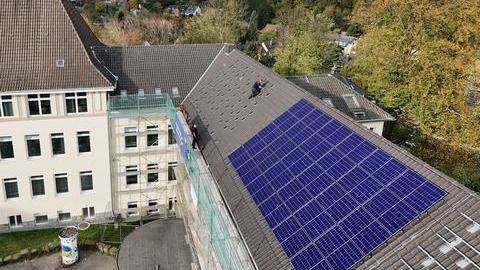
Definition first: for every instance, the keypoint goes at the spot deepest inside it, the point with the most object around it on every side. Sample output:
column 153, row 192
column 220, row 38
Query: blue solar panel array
column 330, row 196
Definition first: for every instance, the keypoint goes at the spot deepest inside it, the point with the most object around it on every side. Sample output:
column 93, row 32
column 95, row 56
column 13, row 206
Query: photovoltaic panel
column 329, row 196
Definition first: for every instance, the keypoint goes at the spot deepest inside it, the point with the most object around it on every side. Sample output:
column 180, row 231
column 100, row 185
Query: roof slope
column 330, row 86
column 226, row 119
column 35, row 34
column 164, row 66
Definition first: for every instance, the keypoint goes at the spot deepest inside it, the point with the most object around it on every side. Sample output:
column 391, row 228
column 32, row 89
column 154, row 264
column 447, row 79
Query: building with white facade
column 84, row 132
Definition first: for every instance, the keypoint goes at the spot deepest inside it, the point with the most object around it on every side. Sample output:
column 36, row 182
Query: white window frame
column 39, row 215
column 10, row 180
column 129, row 171
column 58, row 136
column 6, row 139
column 39, row 100
column 172, row 165
column 84, row 134
column 17, row 224
column 6, row 99
column 153, row 130
column 153, row 168
column 33, row 138
column 150, row 211
column 86, row 173
column 89, row 212
column 64, row 220
column 61, row 176
column 76, row 96
column 38, row 178
column 130, row 132
column 131, row 213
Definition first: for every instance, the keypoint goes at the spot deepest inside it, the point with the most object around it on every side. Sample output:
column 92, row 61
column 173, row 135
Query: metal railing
column 135, row 102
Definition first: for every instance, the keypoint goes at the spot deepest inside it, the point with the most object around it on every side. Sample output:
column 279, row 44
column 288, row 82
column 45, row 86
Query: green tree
column 222, row 21
column 304, row 49
column 416, row 58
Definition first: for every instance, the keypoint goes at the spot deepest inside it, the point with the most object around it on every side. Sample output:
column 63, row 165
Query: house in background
column 341, row 93
column 346, row 42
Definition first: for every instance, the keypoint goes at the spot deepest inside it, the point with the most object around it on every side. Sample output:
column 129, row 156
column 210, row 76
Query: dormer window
column 351, row 101
column 328, row 101
column 60, row 63
column 175, row 92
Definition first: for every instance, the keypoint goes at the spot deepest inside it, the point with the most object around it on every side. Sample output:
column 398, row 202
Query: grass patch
column 14, row 242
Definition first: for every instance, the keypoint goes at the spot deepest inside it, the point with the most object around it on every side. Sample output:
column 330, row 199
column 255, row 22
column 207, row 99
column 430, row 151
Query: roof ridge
column 64, row 4
column 205, row 72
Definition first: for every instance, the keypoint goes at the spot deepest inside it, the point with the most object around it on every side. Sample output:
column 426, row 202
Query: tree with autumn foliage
column 417, row 59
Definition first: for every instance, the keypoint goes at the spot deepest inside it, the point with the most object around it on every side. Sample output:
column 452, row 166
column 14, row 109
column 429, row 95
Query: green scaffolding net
column 225, row 245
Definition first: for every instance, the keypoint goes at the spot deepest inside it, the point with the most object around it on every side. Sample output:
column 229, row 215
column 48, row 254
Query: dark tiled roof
column 335, row 87
column 227, row 119
column 35, row 34
column 164, row 66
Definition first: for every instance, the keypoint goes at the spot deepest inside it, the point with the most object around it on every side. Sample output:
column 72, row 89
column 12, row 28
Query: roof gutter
column 53, row 91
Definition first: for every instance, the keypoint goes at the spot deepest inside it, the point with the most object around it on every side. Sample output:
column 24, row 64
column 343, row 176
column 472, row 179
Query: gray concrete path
column 158, row 245
column 89, row 260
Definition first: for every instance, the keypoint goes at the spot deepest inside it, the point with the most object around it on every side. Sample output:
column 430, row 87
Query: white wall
column 22, row 167
column 376, row 127
column 141, row 156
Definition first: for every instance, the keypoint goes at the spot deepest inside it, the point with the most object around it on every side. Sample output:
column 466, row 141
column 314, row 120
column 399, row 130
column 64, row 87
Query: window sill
column 12, row 199
column 39, row 196
column 58, row 155
column 86, row 191
column 62, row 194
column 7, row 159
column 34, row 157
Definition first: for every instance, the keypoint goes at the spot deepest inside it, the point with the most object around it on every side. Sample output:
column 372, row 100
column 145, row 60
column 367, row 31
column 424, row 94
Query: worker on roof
column 257, row 87
column 194, row 136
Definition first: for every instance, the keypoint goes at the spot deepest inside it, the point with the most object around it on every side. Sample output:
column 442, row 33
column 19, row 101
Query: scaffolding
column 138, row 117
column 213, row 225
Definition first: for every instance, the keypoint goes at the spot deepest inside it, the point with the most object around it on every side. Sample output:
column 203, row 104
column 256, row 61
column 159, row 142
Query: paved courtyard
column 157, row 245
column 89, row 260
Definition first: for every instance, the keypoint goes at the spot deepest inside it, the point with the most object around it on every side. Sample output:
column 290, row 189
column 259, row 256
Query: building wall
column 22, row 167
column 164, row 153
column 376, row 127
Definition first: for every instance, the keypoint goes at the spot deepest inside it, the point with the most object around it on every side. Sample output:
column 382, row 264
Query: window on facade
column 132, row 174
column 6, row 108
column 39, row 104
column 64, row 216
column 171, row 202
column 158, row 91
column 152, row 136
column 171, row 135
column 83, row 138
column 58, row 143
column 76, row 102
column 41, row 219
column 38, row 187
column 11, row 188
column 15, row 221
column 132, row 208
column 171, row 171
column 33, row 145
column 88, row 212
column 152, row 203
column 130, row 137
column 61, row 182
column 6, row 147
column 86, row 180
column 152, row 175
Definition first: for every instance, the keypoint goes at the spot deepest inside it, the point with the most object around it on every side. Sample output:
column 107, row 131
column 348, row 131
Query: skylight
column 60, row 63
